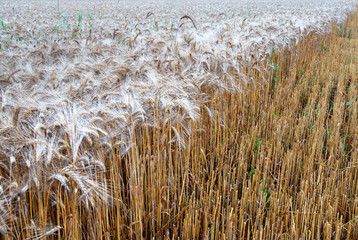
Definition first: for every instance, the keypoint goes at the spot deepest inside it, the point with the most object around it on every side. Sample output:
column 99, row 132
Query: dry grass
column 278, row 160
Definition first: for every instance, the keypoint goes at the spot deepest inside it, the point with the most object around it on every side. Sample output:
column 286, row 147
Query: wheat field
column 178, row 120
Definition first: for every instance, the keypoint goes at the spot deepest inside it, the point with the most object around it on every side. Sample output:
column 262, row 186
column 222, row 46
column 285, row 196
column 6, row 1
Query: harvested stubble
column 276, row 161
